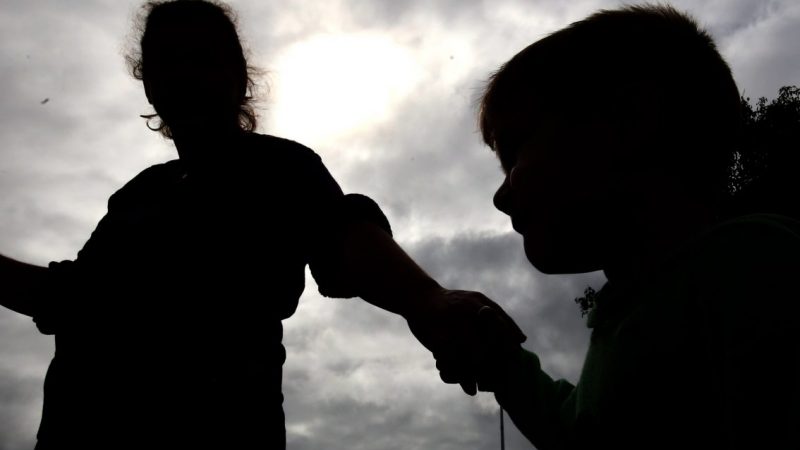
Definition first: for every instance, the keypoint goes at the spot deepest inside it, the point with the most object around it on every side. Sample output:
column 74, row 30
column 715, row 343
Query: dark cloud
column 349, row 425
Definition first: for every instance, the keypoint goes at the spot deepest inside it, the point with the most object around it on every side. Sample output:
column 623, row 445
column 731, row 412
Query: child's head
column 594, row 120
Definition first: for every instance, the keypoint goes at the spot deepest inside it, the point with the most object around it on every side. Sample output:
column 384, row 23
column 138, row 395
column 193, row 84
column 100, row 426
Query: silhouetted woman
column 168, row 323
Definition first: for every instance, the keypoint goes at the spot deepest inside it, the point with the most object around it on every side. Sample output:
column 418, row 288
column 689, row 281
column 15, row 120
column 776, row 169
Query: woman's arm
column 20, row 281
column 445, row 321
column 353, row 255
column 382, row 273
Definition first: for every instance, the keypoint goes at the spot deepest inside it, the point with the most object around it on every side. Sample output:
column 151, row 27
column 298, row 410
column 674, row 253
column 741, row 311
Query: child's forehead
column 547, row 137
column 519, row 126
column 514, row 137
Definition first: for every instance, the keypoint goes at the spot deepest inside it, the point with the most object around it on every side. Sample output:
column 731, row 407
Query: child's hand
column 465, row 331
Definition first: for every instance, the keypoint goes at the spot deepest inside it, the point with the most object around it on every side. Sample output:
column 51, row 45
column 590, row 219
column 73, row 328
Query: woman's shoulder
column 267, row 147
column 148, row 181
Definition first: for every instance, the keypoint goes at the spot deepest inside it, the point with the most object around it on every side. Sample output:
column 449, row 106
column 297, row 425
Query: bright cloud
column 331, row 85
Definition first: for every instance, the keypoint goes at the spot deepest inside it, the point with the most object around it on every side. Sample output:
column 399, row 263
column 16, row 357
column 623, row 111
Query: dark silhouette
column 620, row 138
column 168, row 323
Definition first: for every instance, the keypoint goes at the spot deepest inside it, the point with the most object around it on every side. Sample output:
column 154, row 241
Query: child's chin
column 553, row 259
column 538, row 256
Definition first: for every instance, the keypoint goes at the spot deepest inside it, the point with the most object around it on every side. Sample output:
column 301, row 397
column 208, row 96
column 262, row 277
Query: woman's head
column 193, row 67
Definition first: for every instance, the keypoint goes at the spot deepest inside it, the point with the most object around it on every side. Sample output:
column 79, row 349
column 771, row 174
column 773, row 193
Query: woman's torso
column 187, row 278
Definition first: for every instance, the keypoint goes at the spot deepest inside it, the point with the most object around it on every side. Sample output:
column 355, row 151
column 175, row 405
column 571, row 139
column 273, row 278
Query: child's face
column 556, row 191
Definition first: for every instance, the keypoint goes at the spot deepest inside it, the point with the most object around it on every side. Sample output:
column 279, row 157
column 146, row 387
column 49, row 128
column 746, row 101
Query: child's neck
column 654, row 237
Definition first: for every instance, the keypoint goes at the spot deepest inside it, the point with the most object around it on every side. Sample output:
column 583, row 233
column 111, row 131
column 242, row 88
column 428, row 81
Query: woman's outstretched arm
column 445, row 321
column 20, row 281
column 353, row 254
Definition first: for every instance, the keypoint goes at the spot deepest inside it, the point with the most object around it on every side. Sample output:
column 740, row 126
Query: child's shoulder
column 758, row 236
column 748, row 259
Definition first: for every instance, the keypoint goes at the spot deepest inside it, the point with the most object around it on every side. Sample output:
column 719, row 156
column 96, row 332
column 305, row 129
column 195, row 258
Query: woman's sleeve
column 330, row 212
column 71, row 291
column 64, row 295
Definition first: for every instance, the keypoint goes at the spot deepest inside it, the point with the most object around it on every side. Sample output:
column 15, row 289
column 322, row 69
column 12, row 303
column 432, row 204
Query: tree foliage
column 764, row 176
column 587, row 302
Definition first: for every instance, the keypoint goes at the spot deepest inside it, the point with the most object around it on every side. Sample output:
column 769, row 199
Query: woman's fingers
column 454, row 372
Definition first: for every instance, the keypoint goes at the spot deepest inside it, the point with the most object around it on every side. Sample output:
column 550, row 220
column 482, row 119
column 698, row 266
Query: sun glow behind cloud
column 330, row 86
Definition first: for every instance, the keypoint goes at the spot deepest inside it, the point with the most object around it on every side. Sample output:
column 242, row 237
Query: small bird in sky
column 44, row 101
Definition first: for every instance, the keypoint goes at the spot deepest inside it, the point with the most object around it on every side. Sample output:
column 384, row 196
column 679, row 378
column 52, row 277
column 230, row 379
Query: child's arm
column 543, row 409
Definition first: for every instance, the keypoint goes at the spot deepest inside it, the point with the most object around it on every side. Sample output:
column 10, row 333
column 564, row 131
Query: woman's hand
column 465, row 331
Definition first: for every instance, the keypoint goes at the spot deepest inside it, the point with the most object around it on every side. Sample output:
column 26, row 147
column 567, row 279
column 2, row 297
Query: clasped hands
column 469, row 335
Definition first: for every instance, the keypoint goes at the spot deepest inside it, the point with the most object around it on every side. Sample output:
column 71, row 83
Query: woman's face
column 190, row 79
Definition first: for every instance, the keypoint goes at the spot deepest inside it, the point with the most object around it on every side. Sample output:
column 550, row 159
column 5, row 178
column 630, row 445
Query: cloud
column 61, row 160
column 24, row 356
column 18, row 394
column 762, row 55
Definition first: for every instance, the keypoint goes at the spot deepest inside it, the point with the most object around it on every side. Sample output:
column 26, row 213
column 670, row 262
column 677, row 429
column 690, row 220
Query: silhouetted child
column 617, row 135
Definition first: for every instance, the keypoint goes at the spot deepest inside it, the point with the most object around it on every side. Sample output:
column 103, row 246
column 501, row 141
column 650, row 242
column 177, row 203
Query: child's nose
column 501, row 197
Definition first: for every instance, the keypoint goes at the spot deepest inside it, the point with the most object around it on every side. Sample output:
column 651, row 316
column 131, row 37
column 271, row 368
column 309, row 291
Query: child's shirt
column 701, row 354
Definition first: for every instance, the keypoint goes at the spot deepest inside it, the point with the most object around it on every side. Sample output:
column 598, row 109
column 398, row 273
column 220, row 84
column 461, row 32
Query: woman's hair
column 217, row 18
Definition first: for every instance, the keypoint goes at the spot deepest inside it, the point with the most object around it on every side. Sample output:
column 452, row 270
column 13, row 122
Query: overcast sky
column 384, row 91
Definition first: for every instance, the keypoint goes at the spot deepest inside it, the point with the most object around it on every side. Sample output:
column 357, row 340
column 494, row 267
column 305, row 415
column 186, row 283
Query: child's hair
column 219, row 20
column 649, row 70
